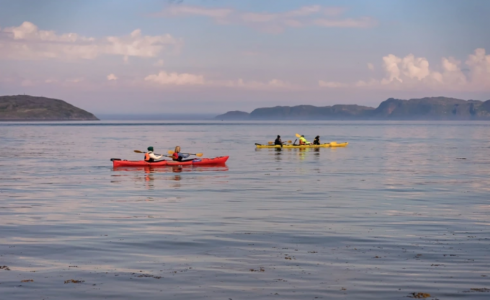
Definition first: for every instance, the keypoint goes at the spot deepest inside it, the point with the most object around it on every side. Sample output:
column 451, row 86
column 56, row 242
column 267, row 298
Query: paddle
column 196, row 154
column 139, row 151
column 271, row 143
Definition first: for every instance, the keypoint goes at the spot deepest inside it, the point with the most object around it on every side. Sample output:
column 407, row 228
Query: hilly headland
column 429, row 108
column 31, row 108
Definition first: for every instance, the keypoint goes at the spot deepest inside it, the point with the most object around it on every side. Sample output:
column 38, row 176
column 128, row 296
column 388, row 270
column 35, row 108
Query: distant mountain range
column 29, row 108
column 430, row 108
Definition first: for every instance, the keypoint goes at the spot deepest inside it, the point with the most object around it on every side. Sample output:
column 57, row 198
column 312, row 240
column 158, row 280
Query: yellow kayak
column 291, row 146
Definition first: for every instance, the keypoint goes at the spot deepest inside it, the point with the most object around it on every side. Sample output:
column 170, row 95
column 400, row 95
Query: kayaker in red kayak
column 150, row 156
column 177, row 156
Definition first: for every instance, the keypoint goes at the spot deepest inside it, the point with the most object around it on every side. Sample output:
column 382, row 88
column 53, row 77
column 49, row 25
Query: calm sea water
column 403, row 209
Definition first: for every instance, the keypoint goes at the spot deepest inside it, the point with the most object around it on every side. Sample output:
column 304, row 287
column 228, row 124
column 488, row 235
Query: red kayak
column 221, row 160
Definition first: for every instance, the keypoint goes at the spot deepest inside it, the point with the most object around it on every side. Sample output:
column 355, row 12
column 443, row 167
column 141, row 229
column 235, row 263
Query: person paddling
column 316, row 141
column 278, row 141
column 150, row 156
column 177, row 156
column 303, row 141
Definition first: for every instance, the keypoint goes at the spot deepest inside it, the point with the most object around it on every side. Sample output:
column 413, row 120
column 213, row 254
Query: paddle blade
column 289, row 142
column 298, row 135
column 198, row 154
column 170, row 152
column 270, row 143
column 138, row 151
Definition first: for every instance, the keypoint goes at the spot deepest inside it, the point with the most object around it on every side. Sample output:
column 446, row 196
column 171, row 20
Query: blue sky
column 213, row 56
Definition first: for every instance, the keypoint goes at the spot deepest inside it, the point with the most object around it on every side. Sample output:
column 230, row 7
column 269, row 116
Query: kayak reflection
column 278, row 152
column 149, row 175
column 284, row 153
column 173, row 169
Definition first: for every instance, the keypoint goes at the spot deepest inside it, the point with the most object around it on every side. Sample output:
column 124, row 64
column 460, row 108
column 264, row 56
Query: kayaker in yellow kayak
column 303, row 141
column 316, row 141
column 278, row 141
column 150, row 156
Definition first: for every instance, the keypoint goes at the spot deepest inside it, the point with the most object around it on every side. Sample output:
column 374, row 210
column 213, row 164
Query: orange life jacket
column 147, row 157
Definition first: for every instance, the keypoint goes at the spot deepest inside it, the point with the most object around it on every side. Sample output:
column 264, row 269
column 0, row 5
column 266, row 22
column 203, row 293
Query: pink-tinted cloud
column 314, row 15
column 166, row 79
column 28, row 42
column 111, row 77
column 190, row 10
column 415, row 73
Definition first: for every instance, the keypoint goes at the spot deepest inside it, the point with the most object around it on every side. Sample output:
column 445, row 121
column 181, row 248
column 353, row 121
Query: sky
column 212, row 56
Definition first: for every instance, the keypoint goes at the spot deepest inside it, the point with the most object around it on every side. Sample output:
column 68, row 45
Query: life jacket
column 302, row 141
column 175, row 156
column 147, row 157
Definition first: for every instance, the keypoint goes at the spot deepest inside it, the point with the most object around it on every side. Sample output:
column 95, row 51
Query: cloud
column 28, row 42
column 164, row 78
column 190, row 10
column 479, row 65
column 370, row 66
column 313, row 15
column 111, row 77
column 254, row 85
column 415, row 73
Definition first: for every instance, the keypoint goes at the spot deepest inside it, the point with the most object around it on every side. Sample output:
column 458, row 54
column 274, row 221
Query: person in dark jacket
column 278, row 141
column 316, row 141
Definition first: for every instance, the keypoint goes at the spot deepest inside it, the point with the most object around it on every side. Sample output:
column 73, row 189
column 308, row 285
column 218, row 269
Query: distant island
column 430, row 108
column 30, row 108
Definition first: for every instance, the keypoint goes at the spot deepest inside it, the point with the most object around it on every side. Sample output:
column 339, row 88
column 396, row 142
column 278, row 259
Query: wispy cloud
column 166, row 79
column 189, row 10
column 314, row 15
column 414, row 73
column 111, row 77
column 27, row 42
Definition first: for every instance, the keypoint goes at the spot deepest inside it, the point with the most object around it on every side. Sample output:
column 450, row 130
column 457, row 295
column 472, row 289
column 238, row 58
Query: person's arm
column 152, row 155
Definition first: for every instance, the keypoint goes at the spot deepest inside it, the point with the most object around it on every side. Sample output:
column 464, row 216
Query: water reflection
column 302, row 153
column 172, row 169
column 278, row 153
column 150, row 173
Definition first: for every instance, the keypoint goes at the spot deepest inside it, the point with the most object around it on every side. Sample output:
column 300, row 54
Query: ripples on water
column 403, row 209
